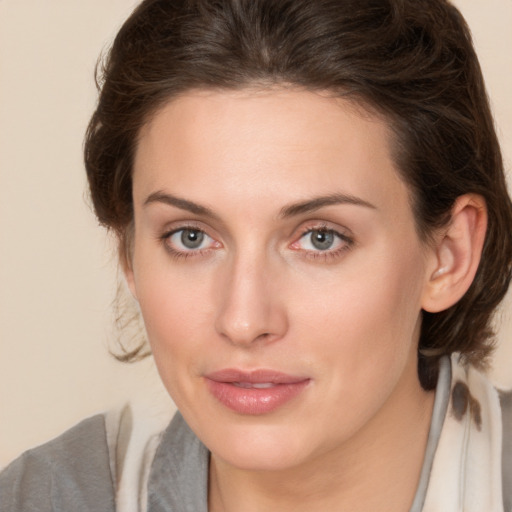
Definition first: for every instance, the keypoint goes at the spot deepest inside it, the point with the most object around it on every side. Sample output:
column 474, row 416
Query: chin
column 260, row 448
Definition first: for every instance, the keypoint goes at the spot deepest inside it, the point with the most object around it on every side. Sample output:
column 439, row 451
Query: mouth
column 258, row 385
column 254, row 392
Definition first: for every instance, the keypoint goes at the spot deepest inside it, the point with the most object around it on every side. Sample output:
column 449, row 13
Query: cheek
column 173, row 311
column 166, row 292
column 176, row 310
column 365, row 333
column 367, row 317
column 376, row 292
column 175, row 323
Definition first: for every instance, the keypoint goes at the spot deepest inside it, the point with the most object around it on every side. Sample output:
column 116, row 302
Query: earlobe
column 456, row 254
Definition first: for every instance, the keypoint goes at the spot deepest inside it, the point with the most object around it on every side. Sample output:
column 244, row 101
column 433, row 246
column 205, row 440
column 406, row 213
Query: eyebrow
column 316, row 203
column 178, row 202
column 291, row 210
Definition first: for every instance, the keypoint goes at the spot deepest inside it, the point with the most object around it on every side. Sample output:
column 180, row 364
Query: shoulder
column 72, row 472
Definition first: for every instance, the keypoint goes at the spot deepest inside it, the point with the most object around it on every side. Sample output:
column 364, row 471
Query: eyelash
column 327, row 255
column 183, row 254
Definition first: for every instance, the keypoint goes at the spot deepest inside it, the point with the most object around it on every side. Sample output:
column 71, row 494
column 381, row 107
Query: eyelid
column 169, row 228
column 336, row 233
column 176, row 252
column 342, row 233
column 322, row 225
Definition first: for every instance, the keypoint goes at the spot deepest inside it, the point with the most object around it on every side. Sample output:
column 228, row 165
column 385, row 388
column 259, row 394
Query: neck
column 377, row 469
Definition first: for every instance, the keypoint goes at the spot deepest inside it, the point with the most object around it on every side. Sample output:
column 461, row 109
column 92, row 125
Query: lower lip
column 254, row 401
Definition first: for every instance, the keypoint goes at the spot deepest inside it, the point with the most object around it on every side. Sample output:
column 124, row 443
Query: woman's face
column 278, row 271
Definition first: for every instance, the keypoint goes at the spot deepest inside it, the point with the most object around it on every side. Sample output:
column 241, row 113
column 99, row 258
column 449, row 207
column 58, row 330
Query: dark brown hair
column 411, row 60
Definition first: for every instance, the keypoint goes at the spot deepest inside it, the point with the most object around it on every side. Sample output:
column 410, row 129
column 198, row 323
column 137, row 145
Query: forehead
column 263, row 141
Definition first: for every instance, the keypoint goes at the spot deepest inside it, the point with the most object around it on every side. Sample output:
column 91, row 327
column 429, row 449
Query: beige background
column 57, row 268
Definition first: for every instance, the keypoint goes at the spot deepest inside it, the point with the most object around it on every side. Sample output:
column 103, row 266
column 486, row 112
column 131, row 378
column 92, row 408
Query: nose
column 251, row 306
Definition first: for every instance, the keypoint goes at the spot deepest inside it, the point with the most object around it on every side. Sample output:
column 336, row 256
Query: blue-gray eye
column 189, row 239
column 192, row 238
column 321, row 240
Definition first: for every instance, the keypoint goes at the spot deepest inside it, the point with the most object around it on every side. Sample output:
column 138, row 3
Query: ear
column 456, row 254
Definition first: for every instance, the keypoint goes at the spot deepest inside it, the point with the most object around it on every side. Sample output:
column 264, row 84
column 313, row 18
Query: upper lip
column 258, row 376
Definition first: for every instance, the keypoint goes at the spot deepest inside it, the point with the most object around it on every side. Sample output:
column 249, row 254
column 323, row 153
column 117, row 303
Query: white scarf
column 466, row 471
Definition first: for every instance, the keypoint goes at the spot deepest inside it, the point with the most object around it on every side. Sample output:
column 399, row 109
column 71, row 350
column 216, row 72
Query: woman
column 313, row 218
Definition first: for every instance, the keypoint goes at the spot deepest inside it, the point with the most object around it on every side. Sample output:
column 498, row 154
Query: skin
column 258, row 294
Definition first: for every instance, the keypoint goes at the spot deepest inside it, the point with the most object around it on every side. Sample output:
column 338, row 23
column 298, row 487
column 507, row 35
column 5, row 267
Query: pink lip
column 254, row 392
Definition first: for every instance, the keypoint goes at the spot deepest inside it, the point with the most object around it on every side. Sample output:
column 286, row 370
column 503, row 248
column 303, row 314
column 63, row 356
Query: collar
column 178, row 481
